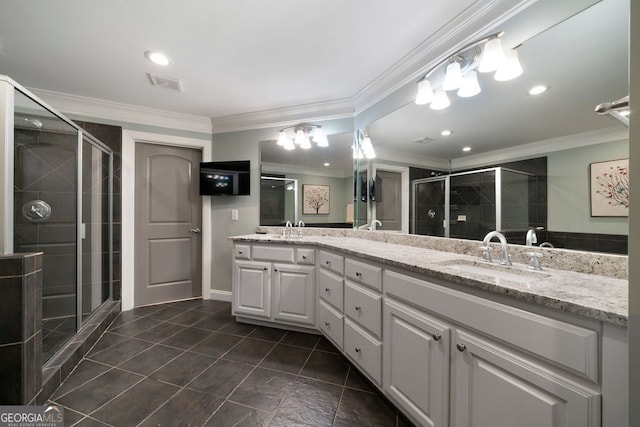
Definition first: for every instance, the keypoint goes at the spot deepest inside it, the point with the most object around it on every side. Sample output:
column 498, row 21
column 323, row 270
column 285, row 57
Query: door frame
column 129, row 140
column 404, row 177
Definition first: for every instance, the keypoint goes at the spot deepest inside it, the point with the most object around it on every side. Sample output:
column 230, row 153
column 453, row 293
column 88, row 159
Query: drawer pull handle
column 328, row 262
column 240, row 252
column 304, row 257
column 358, row 349
column 461, row 347
column 358, row 274
column 327, row 290
column 436, row 337
column 358, row 308
column 275, row 269
column 327, row 324
column 265, row 269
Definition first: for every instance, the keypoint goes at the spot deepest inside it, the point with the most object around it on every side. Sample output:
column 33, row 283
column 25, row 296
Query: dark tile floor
column 190, row 364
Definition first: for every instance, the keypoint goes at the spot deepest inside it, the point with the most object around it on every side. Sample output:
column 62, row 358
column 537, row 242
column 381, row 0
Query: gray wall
column 337, row 197
column 568, row 189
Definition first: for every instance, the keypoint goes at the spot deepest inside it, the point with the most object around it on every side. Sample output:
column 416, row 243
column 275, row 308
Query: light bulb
column 440, row 100
column 282, row 139
column 320, row 138
column 289, row 145
column 510, row 67
column 470, row 86
column 492, row 56
column 425, row 93
column 452, row 77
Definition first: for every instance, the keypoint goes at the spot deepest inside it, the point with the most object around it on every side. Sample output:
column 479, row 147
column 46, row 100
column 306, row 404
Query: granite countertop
column 598, row 297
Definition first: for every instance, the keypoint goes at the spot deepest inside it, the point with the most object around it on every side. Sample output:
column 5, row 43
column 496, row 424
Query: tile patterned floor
column 190, row 364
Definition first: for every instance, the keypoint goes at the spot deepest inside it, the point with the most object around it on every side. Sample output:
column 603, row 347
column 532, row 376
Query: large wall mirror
column 314, row 185
column 552, row 150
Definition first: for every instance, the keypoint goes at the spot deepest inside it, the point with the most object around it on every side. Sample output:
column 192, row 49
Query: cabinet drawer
column 273, row 253
column 565, row 344
column 242, row 251
column 331, row 323
column 364, row 350
column 331, row 288
column 331, row 262
column 366, row 274
column 305, row 256
column 363, row 306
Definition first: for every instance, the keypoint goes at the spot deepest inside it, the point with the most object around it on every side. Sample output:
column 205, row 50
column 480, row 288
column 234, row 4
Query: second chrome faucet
column 505, row 259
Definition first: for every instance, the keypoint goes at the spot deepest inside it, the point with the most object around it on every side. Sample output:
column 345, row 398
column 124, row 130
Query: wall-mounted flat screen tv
column 225, row 178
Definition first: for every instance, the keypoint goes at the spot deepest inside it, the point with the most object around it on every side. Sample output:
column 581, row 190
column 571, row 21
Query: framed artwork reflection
column 315, row 199
column 609, row 188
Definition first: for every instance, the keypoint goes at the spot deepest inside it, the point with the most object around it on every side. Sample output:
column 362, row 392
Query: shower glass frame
column 447, row 179
column 8, row 88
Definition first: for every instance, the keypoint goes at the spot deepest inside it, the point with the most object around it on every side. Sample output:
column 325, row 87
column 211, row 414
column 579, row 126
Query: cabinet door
column 252, row 289
column 416, row 363
column 294, row 298
column 494, row 387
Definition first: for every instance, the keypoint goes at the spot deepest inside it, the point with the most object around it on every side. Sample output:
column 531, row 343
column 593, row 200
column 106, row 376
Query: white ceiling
column 238, row 57
column 232, row 56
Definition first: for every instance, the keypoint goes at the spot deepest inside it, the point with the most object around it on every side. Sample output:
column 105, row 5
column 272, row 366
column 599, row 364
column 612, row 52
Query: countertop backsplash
column 601, row 264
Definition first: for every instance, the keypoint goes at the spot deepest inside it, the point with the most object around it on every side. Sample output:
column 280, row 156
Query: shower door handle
column 195, row 230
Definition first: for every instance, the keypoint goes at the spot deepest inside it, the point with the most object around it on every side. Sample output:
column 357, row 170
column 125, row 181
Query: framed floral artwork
column 609, row 182
column 315, row 199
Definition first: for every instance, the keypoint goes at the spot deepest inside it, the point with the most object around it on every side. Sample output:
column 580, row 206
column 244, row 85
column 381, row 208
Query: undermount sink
column 494, row 271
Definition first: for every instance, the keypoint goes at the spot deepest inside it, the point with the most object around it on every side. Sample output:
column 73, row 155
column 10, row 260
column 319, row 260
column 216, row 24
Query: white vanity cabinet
column 494, row 364
column 363, row 317
column 331, row 293
column 276, row 283
column 416, row 363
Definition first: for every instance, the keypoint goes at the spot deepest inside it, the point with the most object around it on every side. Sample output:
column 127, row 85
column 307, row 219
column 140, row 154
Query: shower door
column 45, row 212
column 430, row 197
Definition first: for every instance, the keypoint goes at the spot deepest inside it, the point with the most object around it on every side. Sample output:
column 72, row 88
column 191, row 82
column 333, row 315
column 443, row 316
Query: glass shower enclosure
column 468, row 205
column 61, row 205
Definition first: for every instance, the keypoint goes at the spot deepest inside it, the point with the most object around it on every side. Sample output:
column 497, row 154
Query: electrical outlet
column 234, row 214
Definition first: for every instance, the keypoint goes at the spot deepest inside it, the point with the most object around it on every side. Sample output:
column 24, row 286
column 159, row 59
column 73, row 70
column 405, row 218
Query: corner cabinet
column 275, row 284
column 442, row 355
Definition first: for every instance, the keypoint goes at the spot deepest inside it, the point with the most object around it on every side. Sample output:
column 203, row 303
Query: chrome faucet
column 534, row 257
column 374, row 224
column 505, row 259
column 531, row 237
column 364, row 227
column 300, row 225
column 287, row 229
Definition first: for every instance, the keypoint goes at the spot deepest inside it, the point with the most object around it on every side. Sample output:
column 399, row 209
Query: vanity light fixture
column 302, row 136
column 537, row 90
column 483, row 55
column 446, row 132
column 157, row 58
column 362, row 146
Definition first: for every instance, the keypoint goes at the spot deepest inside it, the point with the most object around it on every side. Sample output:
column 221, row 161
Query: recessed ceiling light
column 466, row 149
column 624, row 112
column 537, row 90
column 446, row 132
column 158, row 58
column 327, row 164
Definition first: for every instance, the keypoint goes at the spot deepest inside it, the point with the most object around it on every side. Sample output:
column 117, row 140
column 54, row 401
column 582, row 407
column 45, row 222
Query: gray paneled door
column 168, row 261
column 389, row 206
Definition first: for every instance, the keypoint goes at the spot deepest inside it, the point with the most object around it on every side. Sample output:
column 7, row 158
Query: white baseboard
column 221, row 295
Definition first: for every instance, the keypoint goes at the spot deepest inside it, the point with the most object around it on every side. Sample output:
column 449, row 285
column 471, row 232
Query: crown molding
column 483, row 16
column 125, row 113
column 302, row 170
column 541, row 148
column 281, row 117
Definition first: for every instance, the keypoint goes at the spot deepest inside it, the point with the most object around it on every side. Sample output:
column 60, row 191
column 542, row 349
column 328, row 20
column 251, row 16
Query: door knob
column 195, row 231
